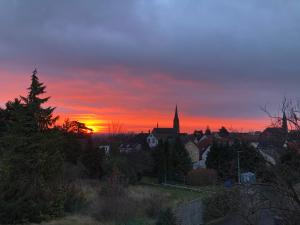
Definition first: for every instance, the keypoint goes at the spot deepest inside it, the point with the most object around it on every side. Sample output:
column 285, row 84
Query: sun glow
column 92, row 121
column 97, row 125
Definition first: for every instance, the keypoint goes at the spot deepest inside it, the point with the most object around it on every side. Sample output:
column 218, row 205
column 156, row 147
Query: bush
column 119, row 208
column 115, row 184
column 202, row 177
column 75, row 198
column 153, row 205
column 166, row 217
column 221, row 204
column 113, row 201
column 127, row 206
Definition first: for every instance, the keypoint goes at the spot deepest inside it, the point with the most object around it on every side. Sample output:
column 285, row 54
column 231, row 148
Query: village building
column 273, row 141
column 164, row 134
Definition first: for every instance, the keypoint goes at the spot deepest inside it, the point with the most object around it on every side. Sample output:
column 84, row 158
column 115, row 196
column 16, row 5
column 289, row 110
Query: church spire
column 176, row 121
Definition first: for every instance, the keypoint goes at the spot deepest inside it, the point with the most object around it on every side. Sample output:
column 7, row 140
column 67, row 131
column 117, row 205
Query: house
column 273, row 142
column 164, row 133
column 193, row 150
column 134, row 143
column 126, row 148
column 152, row 141
column 204, row 146
column 203, row 159
column 106, row 148
column 248, row 178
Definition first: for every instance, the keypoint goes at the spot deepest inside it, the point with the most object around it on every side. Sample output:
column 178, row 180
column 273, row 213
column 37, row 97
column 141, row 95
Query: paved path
column 190, row 213
column 266, row 218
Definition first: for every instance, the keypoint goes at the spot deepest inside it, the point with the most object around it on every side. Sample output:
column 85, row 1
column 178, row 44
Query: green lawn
column 176, row 195
column 161, row 196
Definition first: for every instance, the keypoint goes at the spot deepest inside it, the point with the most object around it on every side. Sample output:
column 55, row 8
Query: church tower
column 176, row 121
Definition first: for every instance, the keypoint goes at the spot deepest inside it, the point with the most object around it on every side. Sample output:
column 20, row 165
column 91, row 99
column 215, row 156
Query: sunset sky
column 133, row 60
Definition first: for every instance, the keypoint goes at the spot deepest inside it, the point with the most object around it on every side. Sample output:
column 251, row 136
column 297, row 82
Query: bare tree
column 289, row 108
column 285, row 200
column 115, row 128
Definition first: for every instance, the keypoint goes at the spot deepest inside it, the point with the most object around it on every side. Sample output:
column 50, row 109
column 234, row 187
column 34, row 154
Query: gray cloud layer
column 242, row 45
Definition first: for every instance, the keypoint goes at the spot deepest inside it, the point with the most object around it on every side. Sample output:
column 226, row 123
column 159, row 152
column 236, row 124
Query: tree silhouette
column 44, row 118
column 223, row 132
column 207, row 131
column 30, row 160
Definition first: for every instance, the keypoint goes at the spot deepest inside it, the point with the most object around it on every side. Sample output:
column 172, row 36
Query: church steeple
column 176, row 121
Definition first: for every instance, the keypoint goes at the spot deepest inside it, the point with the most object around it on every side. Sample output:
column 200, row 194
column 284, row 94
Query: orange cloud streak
column 138, row 104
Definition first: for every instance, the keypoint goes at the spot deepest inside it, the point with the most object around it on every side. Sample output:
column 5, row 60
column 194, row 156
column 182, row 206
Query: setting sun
column 91, row 121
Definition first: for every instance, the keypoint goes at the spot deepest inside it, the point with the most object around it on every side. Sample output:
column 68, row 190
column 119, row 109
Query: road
column 266, row 218
column 190, row 213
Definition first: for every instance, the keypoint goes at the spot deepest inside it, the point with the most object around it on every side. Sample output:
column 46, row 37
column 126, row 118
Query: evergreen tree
column 92, row 159
column 223, row 132
column 30, row 161
column 251, row 160
column 222, row 158
column 179, row 160
column 44, row 118
column 160, row 159
column 172, row 161
column 3, row 121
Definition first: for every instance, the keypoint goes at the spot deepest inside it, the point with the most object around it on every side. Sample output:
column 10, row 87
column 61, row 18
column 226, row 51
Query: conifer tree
column 223, row 132
column 44, row 118
column 30, row 161
column 180, row 161
column 161, row 161
column 222, row 158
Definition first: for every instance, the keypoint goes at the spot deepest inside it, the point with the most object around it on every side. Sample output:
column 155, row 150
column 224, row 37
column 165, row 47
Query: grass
column 75, row 220
column 173, row 196
column 176, row 195
column 154, row 194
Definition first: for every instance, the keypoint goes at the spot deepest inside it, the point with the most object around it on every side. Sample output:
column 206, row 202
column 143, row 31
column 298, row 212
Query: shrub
column 75, row 198
column 166, row 217
column 119, row 209
column 153, row 205
column 115, row 184
column 202, row 177
column 114, row 202
column 221, row 204
column 126, row 206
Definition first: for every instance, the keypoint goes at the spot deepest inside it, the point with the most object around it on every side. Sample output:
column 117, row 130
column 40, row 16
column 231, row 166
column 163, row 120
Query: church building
column 162, row 133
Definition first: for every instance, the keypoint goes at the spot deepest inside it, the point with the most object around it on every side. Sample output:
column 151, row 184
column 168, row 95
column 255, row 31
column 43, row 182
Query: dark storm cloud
column 242, row 45
column 195, row 39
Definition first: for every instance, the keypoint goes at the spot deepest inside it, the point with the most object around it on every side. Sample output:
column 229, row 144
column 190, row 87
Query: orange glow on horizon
column 135, row 123
column 92, row 121
column 128, row 102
